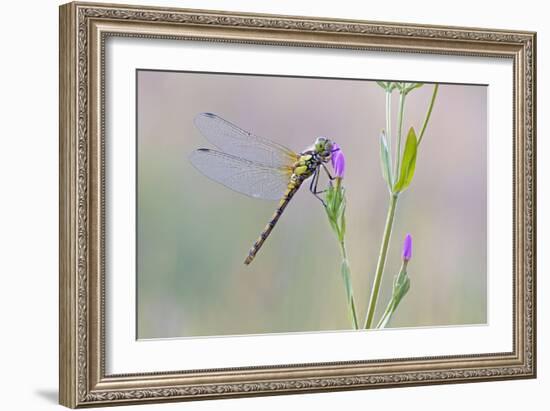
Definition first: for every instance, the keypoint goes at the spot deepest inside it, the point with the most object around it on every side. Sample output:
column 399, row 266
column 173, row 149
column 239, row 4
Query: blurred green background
column 193, row 234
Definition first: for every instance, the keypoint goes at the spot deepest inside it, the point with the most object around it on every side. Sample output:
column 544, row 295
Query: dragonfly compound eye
column 320, row 144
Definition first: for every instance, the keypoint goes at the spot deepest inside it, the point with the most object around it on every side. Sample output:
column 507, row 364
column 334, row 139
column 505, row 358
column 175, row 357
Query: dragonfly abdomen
column 293, row 186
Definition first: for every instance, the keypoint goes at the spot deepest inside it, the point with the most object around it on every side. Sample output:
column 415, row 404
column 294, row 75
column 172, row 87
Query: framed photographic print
column 258, row 204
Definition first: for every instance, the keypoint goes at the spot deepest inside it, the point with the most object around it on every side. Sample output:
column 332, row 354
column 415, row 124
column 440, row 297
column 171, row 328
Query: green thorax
column 306, row 165
column 311, row 159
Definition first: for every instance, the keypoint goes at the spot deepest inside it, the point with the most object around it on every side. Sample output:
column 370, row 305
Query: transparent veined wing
column 233, row 140
column 241, row 175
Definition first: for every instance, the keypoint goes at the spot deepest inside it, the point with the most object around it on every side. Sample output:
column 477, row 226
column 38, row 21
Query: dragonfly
column 258, row 167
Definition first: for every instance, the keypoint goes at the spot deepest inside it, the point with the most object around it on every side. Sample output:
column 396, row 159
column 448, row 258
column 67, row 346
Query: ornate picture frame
column 84, row 29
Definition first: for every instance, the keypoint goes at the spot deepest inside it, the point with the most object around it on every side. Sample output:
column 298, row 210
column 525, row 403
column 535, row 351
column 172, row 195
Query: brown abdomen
column 289, row 193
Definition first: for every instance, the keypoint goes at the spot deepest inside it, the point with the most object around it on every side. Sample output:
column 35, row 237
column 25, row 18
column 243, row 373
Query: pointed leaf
column 405, row 287
column 385, row 161
column 400, row 278
column 333, row 225
column 343, row 226
column 402, row 284
column 412, row 86
column 340, row 202
column 408, row 164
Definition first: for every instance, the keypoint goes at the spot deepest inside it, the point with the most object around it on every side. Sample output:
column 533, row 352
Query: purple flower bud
column 338, row 161
column 407, row 248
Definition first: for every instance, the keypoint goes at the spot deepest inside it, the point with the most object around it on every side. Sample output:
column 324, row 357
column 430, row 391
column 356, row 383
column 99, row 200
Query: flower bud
column 338, row 161
column 407, row 248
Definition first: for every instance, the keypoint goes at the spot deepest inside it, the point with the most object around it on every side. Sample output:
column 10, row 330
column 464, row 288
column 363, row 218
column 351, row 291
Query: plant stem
column 387, row 312
column 394, row 302
column 347, row 273
column 381, row 261
column 428, row 114
column 388, row 121
column 402, row 96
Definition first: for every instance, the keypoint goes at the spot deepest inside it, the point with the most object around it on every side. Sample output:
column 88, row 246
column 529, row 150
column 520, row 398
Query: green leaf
column 412, row 86
column 343, row 225
column 330, row 197
column 399, row 279
column 382, row 84
column 401, row 286
column 336, row 208
column 341, row 203
column 404, row 289
column 385, row 161
column 333, row 224
column 408, row 164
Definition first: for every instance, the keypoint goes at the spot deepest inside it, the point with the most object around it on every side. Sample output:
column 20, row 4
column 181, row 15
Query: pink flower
column 338, row 161
column 407, row 248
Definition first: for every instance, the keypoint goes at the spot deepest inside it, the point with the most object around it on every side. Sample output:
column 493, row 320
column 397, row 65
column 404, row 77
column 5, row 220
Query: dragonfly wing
column 244, row 176
column 240, row 143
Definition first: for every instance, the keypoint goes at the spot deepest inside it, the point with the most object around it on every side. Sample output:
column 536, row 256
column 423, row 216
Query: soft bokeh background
column 193, row 234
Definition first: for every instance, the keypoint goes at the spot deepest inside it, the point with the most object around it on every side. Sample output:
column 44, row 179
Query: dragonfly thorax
column 307, row 163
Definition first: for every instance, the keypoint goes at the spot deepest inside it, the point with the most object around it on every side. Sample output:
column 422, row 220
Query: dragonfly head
column 323, row 147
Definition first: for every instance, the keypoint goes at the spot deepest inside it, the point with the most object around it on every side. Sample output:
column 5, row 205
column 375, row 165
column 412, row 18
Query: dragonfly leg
column 313, row 187
column 330, row 176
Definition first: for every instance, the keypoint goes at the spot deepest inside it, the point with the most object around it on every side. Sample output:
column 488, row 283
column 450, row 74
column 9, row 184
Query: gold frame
column 83, row 30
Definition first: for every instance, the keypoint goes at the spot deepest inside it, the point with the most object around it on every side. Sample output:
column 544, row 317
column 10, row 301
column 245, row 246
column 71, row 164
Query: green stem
column 387, row 312
column 351, row 300
column 428, row 114
column 381, row 261
column 393, row 303
column 388, row 120
column 402, row 96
